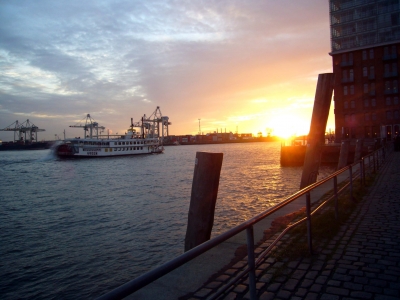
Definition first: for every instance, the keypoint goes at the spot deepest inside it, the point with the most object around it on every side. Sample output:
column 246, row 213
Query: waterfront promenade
column 361, row 262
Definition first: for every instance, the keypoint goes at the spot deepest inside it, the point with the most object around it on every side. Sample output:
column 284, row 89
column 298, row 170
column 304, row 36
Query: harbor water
column 73, row 229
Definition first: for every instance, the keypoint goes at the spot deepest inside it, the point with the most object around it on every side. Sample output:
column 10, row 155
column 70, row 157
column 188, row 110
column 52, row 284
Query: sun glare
column 288, row 126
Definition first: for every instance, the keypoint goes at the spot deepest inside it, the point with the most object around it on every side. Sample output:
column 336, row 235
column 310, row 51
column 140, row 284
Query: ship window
column 119, row 143
column 106, row 149
column 115, row 143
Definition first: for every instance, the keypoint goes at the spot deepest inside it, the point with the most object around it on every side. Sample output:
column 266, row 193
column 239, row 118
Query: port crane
column 154, row 126
column 90, row 125
column 25, row 132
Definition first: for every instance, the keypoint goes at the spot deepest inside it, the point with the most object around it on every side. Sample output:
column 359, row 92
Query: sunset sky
column 250, row 66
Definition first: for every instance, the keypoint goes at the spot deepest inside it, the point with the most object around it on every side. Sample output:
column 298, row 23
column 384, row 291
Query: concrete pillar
column 358, row 150
column 316, row 136
column 203, row 198
column 344, row 154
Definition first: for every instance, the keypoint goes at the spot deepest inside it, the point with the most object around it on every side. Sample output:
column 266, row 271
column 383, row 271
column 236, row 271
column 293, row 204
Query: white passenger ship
column 148, row 140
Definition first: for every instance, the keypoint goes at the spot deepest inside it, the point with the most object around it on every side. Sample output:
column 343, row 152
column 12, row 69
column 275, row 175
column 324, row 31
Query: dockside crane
column 156, row 124
column 25, row 132
column 90, row 125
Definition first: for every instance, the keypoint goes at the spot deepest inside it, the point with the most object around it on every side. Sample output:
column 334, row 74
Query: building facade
column 365, row 41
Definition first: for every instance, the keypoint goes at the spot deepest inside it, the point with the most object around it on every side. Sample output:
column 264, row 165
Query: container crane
column 91, row 126
column 25, row 132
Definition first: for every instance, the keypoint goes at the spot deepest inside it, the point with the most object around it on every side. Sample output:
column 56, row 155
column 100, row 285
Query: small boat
column 147, row 140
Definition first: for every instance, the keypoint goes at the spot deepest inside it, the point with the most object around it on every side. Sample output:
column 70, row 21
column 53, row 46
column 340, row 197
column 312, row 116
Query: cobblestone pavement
column 361, row 262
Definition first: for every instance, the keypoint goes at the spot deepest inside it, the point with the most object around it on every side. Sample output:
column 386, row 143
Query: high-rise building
column 365, row 41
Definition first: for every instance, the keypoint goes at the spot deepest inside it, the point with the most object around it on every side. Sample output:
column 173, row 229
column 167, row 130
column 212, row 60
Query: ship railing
column 360, row 170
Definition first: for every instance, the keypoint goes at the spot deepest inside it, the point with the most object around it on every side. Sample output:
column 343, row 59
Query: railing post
column 362, row 174
column 373, row 157
column 336, row 197
column 251, row 262
column 351, row 183
column 377, row 159
column 308, row 211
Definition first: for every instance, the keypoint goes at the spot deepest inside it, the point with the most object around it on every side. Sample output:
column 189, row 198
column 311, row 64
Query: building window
column 346, row 118
column 396, row 100
column 388, row 101
column 372, row 72
column 373, row 102
column 344, row 75
column 371, row 54
column 367, row 131
column 389, row 115
column 386, row 51
column 396, row 114
column 365, row 88
column 345, row 90
column 364, row 55
column 351, row 75
column 366, row 117
column 365, row 71
column 373, row 116
column 395, row 86
column 372, row 89
column 366, row 102
column 387, row 87
column 353, row 118
column 352, row 104
column 345, row 105
column 387, row 69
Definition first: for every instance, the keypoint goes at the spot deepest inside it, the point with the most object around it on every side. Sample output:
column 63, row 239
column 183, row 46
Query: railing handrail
column 150, row 276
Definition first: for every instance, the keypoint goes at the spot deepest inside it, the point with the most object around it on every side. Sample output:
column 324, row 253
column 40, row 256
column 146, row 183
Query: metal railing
column 367, row 165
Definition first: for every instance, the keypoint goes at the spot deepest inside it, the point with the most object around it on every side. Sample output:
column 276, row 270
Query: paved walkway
column 361, row 262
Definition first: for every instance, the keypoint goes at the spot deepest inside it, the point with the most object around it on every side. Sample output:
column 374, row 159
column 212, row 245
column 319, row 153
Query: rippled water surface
column 78, row 228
